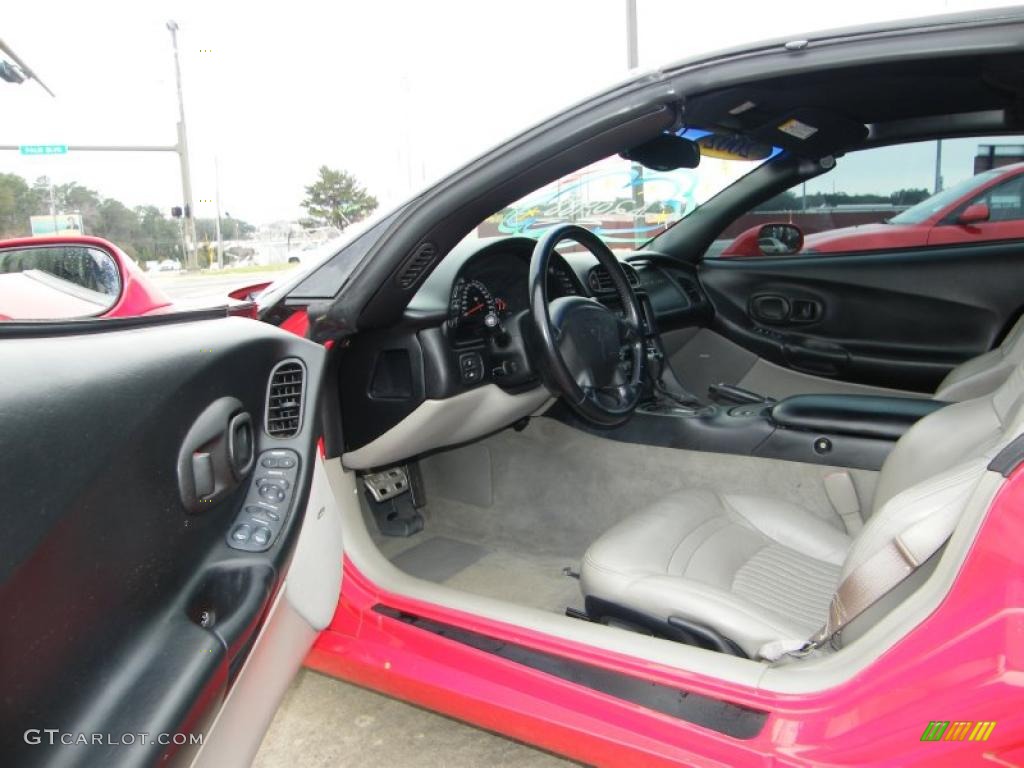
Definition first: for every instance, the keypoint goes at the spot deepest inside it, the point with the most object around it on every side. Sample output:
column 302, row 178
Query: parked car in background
column 985, row 207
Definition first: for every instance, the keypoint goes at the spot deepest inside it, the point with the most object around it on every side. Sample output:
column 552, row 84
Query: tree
column 230, row 229
column 909, row 196
column 18, row 202
column 336, row 199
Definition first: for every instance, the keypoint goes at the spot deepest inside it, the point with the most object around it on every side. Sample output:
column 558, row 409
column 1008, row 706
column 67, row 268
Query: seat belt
column 894, row 561
column 842, row 494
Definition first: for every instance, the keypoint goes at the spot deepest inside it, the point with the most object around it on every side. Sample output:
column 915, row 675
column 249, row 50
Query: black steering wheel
column 589, row 355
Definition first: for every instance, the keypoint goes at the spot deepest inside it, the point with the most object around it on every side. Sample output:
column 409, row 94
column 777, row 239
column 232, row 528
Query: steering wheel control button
column 267, row 503
column 471, row 366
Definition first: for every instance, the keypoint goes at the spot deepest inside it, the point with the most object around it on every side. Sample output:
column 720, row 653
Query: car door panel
column 130, row 611
column 899, row 320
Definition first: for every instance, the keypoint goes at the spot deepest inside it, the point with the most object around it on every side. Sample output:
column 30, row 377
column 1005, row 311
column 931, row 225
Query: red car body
column 941, row 226
column 963, row 663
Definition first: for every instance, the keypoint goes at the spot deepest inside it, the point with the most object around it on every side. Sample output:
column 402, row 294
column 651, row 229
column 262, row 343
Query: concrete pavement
column 324, row 722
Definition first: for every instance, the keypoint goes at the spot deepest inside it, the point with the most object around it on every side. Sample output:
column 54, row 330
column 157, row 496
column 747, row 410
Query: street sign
column 43, row 149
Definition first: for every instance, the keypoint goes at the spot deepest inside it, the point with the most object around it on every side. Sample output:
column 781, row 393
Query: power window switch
column 242, row 533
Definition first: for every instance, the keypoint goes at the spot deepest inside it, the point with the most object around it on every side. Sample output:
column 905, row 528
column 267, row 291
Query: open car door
column 169, row 553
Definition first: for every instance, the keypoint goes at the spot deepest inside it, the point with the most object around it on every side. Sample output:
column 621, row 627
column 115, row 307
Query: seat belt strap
column 895, row 560
column 842, row 494
column 892, row 562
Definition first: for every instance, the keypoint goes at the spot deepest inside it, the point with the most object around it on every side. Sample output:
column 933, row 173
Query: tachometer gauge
column 471, row 303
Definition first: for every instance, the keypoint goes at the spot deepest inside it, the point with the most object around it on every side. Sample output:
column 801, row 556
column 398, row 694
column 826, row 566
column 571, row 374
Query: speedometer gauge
column 471, row 303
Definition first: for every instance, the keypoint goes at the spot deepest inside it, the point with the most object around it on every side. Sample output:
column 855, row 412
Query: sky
column 399, row 93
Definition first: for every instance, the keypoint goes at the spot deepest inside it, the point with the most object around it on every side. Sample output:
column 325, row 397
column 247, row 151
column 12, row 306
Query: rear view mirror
column 780, row 239
column 974, row 214
column 57, row 281
column 666, row 152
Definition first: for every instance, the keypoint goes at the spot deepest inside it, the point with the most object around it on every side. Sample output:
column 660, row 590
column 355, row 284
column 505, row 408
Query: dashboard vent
column 416, row 265
column 600, row 281
column 284, row 399
column 691, row 289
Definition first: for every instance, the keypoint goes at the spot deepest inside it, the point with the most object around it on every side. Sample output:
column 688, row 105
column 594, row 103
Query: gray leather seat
column 982, row 374
column 761, row 570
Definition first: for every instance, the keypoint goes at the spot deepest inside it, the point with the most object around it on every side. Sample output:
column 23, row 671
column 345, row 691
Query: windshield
column 928, row 208
column 626, row 204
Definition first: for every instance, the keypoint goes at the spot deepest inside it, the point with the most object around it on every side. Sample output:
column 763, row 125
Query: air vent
column 691, row 289
column 416, row 265
column 284, row 399
column 601, row 282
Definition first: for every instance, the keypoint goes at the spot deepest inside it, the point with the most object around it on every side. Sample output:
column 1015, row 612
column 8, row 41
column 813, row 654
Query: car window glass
column 56, row 282
column 898, row 197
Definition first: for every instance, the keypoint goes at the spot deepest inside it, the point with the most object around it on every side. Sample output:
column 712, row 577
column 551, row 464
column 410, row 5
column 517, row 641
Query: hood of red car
column 866, row 237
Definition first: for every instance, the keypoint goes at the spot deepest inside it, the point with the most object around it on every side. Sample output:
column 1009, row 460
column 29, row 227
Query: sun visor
column 811, row 132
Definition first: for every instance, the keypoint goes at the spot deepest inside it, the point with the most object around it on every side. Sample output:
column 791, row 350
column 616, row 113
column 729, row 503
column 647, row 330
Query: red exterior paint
column 297, row 322
column 877, row 236
column 138, row 295
column 964, row 662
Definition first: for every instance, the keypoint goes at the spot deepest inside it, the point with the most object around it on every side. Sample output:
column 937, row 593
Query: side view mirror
column 780, row 239
column 974, row 213
column 57, row 281
column 775, row 239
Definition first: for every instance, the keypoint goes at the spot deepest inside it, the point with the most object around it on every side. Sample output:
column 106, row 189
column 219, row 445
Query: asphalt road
column 208, row 286
column 325, row 723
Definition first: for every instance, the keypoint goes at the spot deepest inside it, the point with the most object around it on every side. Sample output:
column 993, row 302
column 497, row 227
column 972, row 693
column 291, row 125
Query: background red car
column 984, row 207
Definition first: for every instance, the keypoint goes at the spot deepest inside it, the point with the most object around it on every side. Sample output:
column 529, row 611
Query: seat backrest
column 936, row 465
column 981, row 375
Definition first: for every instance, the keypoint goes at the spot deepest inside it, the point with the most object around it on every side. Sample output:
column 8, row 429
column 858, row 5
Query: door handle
column 769, row 308
column 775, row 309
column 217, row 453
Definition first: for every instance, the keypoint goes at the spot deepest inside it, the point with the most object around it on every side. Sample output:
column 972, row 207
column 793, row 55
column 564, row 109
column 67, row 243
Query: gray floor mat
column 439, row 558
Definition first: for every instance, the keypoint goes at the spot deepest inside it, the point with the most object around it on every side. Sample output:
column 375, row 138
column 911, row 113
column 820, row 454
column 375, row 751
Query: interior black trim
column 43, row 328
column 1008, row 459
column 108, row 581
column 864, row 415
column 733, row 720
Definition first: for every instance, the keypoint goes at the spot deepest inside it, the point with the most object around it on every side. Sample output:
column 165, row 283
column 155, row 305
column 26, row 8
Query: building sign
column 57, row 224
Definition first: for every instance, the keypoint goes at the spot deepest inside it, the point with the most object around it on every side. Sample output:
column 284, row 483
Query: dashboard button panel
column 266, row 505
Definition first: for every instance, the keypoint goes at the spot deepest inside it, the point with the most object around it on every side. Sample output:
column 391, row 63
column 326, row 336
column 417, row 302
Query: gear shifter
column 665, row 385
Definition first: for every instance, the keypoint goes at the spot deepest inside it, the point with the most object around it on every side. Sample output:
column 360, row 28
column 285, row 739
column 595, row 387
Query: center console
column 839, row 430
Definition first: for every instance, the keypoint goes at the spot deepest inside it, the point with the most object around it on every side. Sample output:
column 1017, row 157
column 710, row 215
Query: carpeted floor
column 505, row 515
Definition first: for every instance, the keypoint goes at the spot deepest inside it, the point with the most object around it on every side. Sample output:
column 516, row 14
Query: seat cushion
column 756, row 569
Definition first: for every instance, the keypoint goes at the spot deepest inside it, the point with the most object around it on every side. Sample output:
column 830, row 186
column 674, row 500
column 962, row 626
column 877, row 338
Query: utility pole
column 216, row 199
column 637, row 170
column 938, row 166
column 188, row 220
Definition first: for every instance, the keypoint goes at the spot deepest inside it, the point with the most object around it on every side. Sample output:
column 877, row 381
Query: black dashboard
column 467, row 327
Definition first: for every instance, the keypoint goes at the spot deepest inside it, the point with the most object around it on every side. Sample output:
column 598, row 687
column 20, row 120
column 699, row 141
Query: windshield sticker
column 797, row 129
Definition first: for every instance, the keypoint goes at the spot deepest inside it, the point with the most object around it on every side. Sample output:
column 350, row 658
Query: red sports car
column 595, row 488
